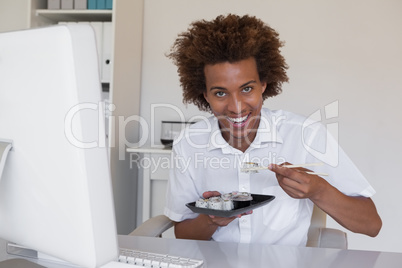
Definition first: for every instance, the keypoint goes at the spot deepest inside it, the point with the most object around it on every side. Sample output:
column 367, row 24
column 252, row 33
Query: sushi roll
column 227, row 196
column 215, row 203
column 227, row 204
column 201, row 203
column 228, row 201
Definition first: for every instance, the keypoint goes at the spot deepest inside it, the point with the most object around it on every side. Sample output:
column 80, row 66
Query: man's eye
column 220, row 94
column 247, row 89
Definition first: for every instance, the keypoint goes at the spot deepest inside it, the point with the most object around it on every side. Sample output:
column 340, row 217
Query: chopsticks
column 254, row 167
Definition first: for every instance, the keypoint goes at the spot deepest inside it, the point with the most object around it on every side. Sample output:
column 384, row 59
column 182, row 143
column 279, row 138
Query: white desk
column 219, row 255
column 222, row 255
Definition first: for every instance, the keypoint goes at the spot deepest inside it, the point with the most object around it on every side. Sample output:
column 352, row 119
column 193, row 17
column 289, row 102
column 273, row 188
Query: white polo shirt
column 204, row 161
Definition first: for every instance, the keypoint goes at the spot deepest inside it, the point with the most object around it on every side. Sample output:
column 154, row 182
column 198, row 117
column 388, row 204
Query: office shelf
column 125, row 83
column 75, row 15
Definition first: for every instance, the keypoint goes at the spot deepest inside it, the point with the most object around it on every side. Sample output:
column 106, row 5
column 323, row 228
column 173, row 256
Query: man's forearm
column 357, row 214
column 200, row 228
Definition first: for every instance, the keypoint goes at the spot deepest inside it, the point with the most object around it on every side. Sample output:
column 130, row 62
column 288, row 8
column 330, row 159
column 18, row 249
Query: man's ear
column 263, row 86
column 205, row 96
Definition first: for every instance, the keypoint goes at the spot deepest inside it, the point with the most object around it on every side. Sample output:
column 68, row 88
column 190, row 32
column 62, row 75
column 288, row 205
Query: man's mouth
column 238, row 121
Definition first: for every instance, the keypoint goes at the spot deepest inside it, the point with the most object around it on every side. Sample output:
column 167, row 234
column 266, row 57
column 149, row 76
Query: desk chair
column 318, row 235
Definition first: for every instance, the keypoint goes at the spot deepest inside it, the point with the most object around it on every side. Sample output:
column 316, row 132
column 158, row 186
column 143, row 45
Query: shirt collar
column 216, row 139
column 268, row 129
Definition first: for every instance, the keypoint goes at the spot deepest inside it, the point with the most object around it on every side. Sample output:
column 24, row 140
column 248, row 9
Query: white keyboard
column 155, row 260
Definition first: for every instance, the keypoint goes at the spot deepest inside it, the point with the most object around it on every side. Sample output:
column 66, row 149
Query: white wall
column 345, row 51
column 14, row 15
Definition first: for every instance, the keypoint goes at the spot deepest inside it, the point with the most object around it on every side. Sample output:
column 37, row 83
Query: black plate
column 258, row 201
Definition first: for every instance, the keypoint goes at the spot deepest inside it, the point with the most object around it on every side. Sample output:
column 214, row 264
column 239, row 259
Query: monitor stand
column 5, row 147
column 19, row 263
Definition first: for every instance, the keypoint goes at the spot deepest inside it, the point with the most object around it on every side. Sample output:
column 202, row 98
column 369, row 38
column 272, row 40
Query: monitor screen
column 55, row 190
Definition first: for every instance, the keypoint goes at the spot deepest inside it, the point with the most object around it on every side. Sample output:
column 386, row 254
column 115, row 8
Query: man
column 229, row 66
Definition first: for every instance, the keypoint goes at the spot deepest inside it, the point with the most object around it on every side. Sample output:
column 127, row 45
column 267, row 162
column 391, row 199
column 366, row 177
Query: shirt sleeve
column 180, row 188
column 343, row 173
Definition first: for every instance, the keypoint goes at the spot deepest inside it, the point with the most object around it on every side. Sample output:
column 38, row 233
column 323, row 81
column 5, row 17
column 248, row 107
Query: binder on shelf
column 80, row 4
column 106, row 52
column 100, row 4
column 109, row 4
column 67, row 4
column 53, row 4
column 92, row 4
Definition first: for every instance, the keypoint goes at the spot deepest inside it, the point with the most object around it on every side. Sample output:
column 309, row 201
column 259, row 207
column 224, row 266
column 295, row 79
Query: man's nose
column 235, row 104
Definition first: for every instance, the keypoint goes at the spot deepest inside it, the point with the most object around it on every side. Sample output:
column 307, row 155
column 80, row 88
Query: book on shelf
column 70, row 4
column 67, row 4
column 100, row 4
column 109, row 4
column 53, row 4
column 80, row 4
column 92, row 4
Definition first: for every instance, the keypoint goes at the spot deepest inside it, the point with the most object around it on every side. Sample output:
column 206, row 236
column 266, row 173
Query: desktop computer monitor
column 55, row 189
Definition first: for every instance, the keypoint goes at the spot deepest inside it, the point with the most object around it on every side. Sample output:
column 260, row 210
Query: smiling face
column 234, row 93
